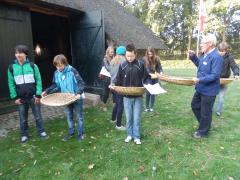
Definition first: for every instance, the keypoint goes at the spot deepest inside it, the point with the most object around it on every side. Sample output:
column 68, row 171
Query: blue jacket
column 67, row 81
column 208, row 72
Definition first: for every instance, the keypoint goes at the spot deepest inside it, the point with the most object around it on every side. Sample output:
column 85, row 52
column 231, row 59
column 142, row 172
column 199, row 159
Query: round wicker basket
column 177, row 80
column 224, row 81
column 131, row 91
column 58, row 99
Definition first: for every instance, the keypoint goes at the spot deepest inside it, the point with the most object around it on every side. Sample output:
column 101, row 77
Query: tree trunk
column 190, row 30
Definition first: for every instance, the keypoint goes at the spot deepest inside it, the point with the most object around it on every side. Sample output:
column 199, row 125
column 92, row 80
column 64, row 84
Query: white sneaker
column 128, row 139
column 146, row 110
column 137, row 141
column 24, row 139
column 43, row 134
column 151, row 110
column 121, row 128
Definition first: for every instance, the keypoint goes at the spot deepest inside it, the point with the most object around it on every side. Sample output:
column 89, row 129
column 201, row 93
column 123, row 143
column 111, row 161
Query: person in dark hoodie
column 25, row 86
column 228, row 62
column 132, row 73
column 207, row 83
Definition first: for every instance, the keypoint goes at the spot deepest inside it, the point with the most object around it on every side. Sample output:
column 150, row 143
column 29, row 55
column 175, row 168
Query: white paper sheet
column 104, row 72
column 154, row 89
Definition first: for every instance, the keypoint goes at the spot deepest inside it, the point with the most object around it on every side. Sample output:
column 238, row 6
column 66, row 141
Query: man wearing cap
column 207, row 83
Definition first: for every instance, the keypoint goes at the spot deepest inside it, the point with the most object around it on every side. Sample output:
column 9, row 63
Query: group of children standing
column 25, row 87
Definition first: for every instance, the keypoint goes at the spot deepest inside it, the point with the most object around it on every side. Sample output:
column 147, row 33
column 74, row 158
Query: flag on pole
column 202, row 15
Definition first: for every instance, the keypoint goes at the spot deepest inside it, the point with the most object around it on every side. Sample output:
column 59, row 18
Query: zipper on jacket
column 130, row 74
column 23, row 75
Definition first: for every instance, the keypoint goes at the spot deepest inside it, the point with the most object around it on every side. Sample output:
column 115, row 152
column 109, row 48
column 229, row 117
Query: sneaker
column 67, row 137
column 43, row 134
column 80, row 138
column 24, row 139
column 218, row 113
column 113, row 121
column 128, row 139
column 197, row 135
column 146, row 110
column 137, row 141
column 121, row 128
column 151, row 110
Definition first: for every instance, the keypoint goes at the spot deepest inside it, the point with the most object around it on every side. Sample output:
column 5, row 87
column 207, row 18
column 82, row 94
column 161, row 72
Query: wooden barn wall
column 15, row 28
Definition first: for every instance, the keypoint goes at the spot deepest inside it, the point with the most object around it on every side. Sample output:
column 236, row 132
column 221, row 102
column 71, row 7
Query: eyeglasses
column 221, row 50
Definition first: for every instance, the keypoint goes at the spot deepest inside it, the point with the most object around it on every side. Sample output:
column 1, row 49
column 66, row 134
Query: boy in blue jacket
column 67, row 80
column 209, row 67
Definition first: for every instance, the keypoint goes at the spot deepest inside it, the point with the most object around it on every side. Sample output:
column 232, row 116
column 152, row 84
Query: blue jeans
column 23, row 114
column 150, row 97
column 118, row 108
column 202, row 108
column 221, row 94
column 133, row 109
column 76, row 107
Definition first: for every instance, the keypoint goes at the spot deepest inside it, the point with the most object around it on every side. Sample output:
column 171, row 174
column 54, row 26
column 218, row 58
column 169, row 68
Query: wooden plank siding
column 15, row 29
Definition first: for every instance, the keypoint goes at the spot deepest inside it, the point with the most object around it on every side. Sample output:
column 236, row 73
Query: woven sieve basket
column 177, row 80
column 129, row 91
column 58, row 99
column 224, row 81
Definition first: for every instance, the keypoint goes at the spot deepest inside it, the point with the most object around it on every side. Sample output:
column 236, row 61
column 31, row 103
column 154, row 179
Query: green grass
column 167, row 152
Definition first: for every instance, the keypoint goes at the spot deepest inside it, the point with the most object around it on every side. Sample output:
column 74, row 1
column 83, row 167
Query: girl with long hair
column 152, row 64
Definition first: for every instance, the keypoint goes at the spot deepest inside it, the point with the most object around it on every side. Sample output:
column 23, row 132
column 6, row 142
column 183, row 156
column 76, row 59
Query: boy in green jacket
column 25, row 86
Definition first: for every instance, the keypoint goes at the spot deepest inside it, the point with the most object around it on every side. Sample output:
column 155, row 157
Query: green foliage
column 167, row 152
column 176, row 21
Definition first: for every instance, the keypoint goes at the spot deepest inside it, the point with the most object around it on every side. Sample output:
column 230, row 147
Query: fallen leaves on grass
column 57, row 173
column 141, row 168
column 91, row 166
column 92, row 137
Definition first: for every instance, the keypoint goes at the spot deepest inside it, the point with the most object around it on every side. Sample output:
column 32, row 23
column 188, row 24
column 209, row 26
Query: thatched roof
column 64, row 3
column 121, row 26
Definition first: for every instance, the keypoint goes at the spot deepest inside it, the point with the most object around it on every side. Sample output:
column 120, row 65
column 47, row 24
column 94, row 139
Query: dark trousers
column 118, row 108
column 150, row 97
column 23, row 114
column 202, row 108
column 106, row 90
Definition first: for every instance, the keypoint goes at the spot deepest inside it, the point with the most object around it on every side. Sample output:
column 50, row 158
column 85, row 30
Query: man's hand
column 153, row 76
column 78, row 96
column 18, row 101
column 191, row 53
column 196, row 80
column 44, row 93
column 37, row 100
column 111, row 86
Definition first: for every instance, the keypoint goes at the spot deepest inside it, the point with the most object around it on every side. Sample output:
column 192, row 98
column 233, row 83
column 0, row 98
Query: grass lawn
column 167, row 152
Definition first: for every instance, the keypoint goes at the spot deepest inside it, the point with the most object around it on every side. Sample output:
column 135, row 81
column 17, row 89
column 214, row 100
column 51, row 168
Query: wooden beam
column 43, row 7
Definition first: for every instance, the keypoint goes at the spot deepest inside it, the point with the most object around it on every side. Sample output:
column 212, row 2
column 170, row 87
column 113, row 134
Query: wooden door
column 15, row 28
column 88, row 46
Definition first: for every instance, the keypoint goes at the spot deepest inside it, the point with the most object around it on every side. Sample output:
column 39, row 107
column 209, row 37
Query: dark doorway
column 51, row 36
